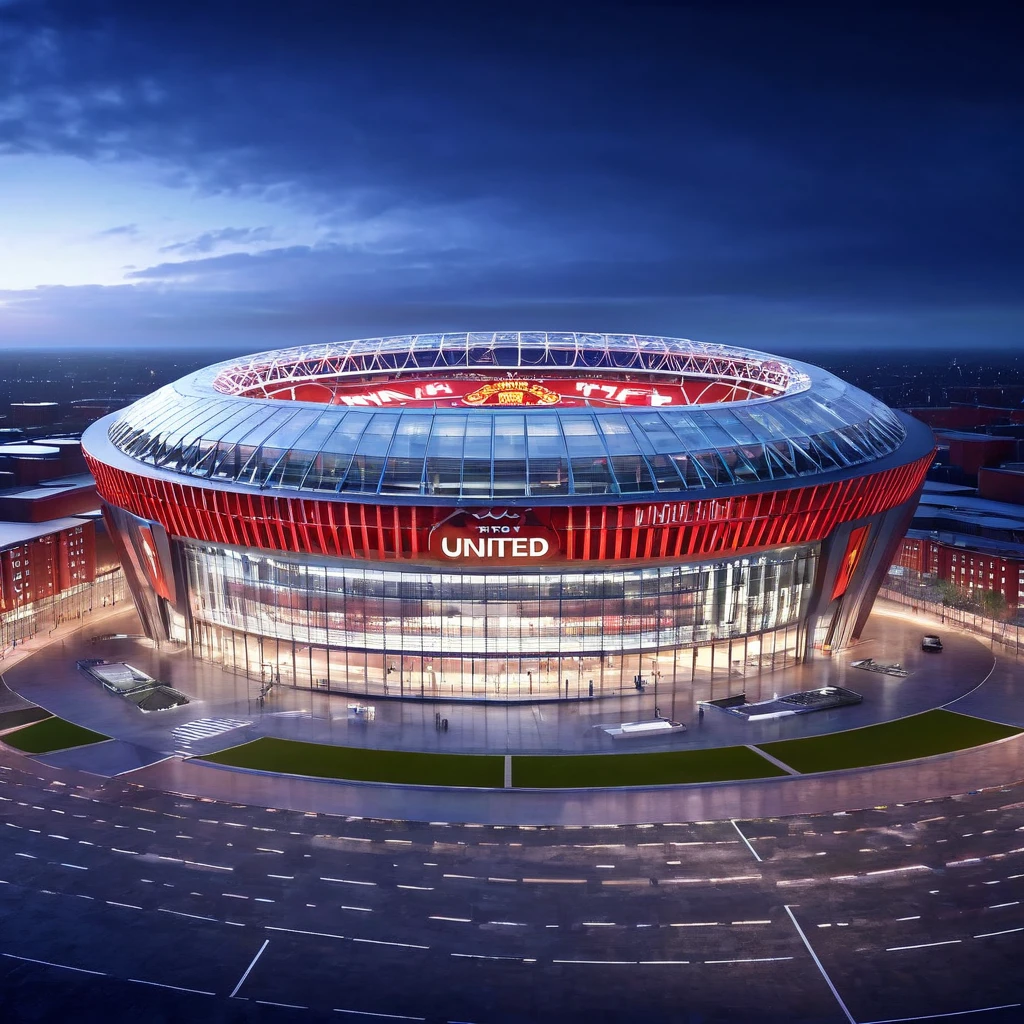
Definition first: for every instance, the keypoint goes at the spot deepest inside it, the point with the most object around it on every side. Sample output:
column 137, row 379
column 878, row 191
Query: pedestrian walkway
column 50, row 678
column 225, row 710
column 187, row 736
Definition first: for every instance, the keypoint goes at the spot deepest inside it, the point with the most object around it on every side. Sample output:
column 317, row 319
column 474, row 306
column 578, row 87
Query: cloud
column 210, row 240
column 120, row 231
column 658, row 157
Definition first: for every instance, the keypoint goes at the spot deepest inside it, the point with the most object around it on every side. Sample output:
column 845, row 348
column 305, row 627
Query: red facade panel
column 641, row 531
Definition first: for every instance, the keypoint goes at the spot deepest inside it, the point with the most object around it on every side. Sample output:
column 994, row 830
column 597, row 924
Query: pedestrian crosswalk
column 203, row 729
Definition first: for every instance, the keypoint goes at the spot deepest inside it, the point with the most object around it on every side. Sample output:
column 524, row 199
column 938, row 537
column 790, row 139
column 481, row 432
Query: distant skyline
column 233, row 176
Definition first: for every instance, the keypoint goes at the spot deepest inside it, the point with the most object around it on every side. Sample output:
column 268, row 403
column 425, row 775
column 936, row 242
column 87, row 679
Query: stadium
column 517, row 516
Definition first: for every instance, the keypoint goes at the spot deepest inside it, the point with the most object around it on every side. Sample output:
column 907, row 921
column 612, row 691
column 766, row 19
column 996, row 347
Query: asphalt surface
column 121, row 902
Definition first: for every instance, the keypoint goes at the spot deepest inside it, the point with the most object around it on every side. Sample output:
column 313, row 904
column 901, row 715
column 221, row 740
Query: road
column 130, row 901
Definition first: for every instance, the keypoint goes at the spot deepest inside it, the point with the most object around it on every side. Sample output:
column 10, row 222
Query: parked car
column 931, row 643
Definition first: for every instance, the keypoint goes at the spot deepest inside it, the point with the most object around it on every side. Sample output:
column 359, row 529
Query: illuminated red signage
column 492, row 537
column 854, row 549
column 472, row 391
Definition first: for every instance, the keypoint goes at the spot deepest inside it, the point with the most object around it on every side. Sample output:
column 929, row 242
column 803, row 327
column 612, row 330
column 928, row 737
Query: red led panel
column 854, row 548
column 673, row 530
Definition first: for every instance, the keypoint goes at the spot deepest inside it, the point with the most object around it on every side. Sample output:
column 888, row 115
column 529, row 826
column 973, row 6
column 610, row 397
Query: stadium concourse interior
column 225, row 708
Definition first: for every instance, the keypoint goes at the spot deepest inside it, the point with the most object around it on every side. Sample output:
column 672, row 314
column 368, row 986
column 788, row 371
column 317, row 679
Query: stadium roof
column 206, row 425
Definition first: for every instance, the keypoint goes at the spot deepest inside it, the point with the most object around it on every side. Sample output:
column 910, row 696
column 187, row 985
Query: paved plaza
column 155, row 749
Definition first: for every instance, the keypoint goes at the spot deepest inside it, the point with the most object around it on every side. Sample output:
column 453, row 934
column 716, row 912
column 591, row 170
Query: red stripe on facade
column 653, row 529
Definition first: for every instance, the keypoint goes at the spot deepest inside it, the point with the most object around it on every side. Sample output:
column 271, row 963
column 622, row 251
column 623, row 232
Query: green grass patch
column 50, row 735
column 359, row 764
column 581, row 771
column 906, row 739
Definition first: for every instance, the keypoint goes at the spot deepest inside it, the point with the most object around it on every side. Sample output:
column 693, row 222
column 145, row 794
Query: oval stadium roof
column 803, row 421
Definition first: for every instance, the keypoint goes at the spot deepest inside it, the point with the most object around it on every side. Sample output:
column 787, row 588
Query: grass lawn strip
column 906, row 739
column 581, row 771
column 51, row 734
column 360, row 764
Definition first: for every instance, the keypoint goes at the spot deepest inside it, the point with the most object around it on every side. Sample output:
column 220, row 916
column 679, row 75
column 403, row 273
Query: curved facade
column 509, row 516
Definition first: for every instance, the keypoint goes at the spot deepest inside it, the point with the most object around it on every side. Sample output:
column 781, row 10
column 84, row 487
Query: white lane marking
column 381, row 942
column 988, row 935
column 179, row 913
column 540, row 881
column 299, row 931
column 176, row 988
column 744, row 838
column 460, row 920
column 896, row 871
column 128, row 906
column 751, row 960
column 814, row 957
column 949, row 704
column 630, row 963
column 49, row 963
column 997, row 906
column 287, row 878
column 345, row 881
column 417, row 888
column 923, row 945
column 370, row 1013
column 77, row 867
column 241, row 980
column 936, row 1016
column 287, row 1006
column 482, row 956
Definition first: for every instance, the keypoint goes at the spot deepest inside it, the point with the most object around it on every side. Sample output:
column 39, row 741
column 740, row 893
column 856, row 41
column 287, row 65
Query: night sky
column 801, row 179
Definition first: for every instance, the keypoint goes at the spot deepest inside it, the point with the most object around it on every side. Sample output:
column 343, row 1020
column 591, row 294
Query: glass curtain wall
column 498, row 636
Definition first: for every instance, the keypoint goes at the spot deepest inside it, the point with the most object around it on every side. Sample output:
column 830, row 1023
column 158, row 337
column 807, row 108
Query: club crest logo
column 512, row 392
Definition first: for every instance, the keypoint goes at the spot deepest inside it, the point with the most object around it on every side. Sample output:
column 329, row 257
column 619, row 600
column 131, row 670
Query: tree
column 952, row 595
column 993, row 604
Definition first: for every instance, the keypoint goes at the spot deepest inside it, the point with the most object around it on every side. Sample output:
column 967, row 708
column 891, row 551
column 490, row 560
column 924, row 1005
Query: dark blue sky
column 253, row 174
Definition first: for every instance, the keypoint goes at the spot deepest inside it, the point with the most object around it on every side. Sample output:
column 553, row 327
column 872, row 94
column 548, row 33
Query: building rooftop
column 967, row 435
column 971, row 506
column 943, row 488
column 969, row 542
column 48, row 488
column 12, row 534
